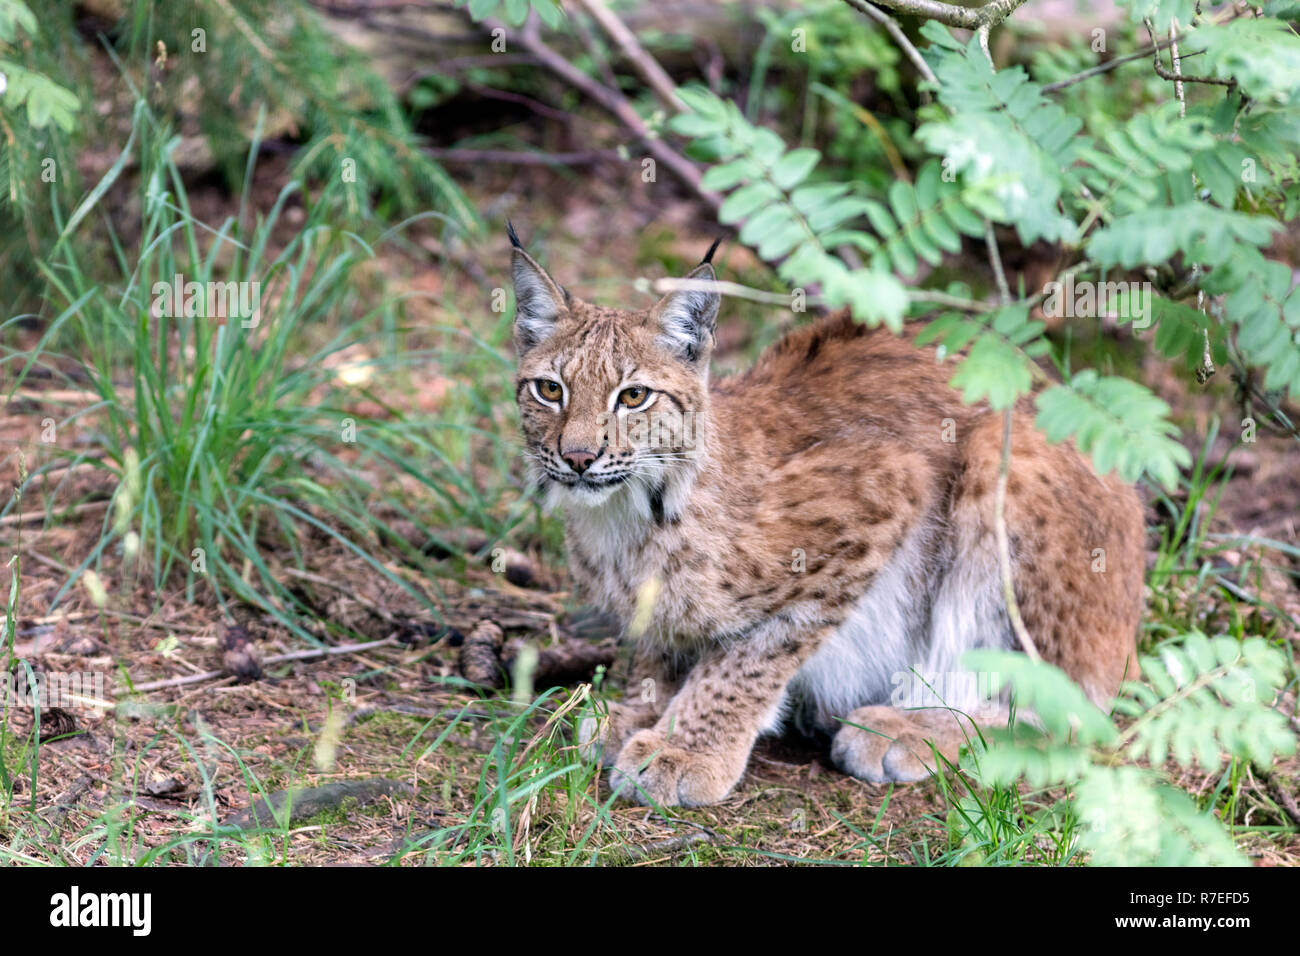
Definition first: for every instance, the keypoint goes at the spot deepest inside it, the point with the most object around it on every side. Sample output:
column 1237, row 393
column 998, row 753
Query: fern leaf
column 1046, row 690
column 1201, row 232
column 1120, row 423
column 1010, row 143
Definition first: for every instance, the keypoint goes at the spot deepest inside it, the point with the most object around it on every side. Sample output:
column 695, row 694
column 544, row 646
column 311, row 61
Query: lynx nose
column 579, row 460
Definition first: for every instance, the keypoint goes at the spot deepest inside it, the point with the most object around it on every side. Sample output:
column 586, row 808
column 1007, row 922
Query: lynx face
column 611, row 401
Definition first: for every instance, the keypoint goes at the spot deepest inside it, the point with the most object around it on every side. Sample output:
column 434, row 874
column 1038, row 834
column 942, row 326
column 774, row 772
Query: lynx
column 811, row 542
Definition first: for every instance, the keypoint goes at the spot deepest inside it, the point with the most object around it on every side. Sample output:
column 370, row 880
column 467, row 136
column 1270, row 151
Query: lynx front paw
column 895, row 746
column 651, row 770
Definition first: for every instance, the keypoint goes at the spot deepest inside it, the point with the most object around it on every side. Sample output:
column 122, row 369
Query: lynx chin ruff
column 811, row 541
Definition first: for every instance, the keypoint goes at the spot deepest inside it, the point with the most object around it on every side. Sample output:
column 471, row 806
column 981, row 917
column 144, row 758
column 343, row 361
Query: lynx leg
column 698, row 749
column 890, row 745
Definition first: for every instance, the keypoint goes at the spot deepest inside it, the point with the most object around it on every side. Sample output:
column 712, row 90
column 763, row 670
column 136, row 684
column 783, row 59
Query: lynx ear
column 687, row 317
column 538, row 300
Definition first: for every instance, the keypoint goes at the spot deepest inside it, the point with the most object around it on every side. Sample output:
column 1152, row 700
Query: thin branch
column 983, row 33
column 722, row 287
column 611, row 100
column 736, row 290
column 599, row 55
column 1177, row 61
column 520, row 157
column 1206, row 369
column 277, row 659
column 1105, row 67
column 1004, row 473
column 535, row 105
column 1179, row 77
column 995, row 260
column 991, row 14
column 43, row 514
column 1004, row 544
column 645, row 64
column 952, row 301
column 909, row 49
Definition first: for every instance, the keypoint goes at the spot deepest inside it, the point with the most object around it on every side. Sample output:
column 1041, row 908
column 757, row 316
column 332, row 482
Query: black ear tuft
column 514, row 237
column 708, row 256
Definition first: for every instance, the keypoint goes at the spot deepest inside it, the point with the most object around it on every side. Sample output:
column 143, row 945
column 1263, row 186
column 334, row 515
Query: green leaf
column 994, row 370
column 1261, row 54
column 747, row 200
column 1120, row 423
column 1204, row 233
column 1056, row 700
column 794, row 167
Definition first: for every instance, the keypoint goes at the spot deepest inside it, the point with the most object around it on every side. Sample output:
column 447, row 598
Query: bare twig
column 672, row 845
column 1285, row 426
column 536, row 106
column 1206, row 370
column 65, row 513
column 1229, row 13
column 995, row 260
column 611, row 100
column 1176, row 74
column 1105, row 67
column 990, row 15
column 519, row 157
column 644, row 63
column 734, row 289
column 599, row 55
column 1004, row 545
column 277, row 659
column 894, row 30
column 1004, row 472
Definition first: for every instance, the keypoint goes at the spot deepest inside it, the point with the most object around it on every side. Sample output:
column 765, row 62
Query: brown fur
column 817, row 480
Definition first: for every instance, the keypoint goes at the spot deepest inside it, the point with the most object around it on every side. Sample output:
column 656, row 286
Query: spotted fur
column 799, row 538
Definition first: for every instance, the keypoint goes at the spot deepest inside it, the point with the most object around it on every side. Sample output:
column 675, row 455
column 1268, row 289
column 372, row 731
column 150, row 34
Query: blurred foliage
column 211, row 72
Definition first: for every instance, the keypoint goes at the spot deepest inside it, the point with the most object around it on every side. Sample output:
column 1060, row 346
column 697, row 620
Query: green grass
column 221, row 439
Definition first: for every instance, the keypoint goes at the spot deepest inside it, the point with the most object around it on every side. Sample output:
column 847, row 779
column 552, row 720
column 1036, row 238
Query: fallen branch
column 277, row 659
column 65, row 513
column 722, row 287
column 671, row 845
column 284, row 808
column 519, row 157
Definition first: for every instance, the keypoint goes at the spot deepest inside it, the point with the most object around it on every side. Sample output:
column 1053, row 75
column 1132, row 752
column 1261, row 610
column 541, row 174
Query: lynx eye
column 634, row 396
column 548, row 390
